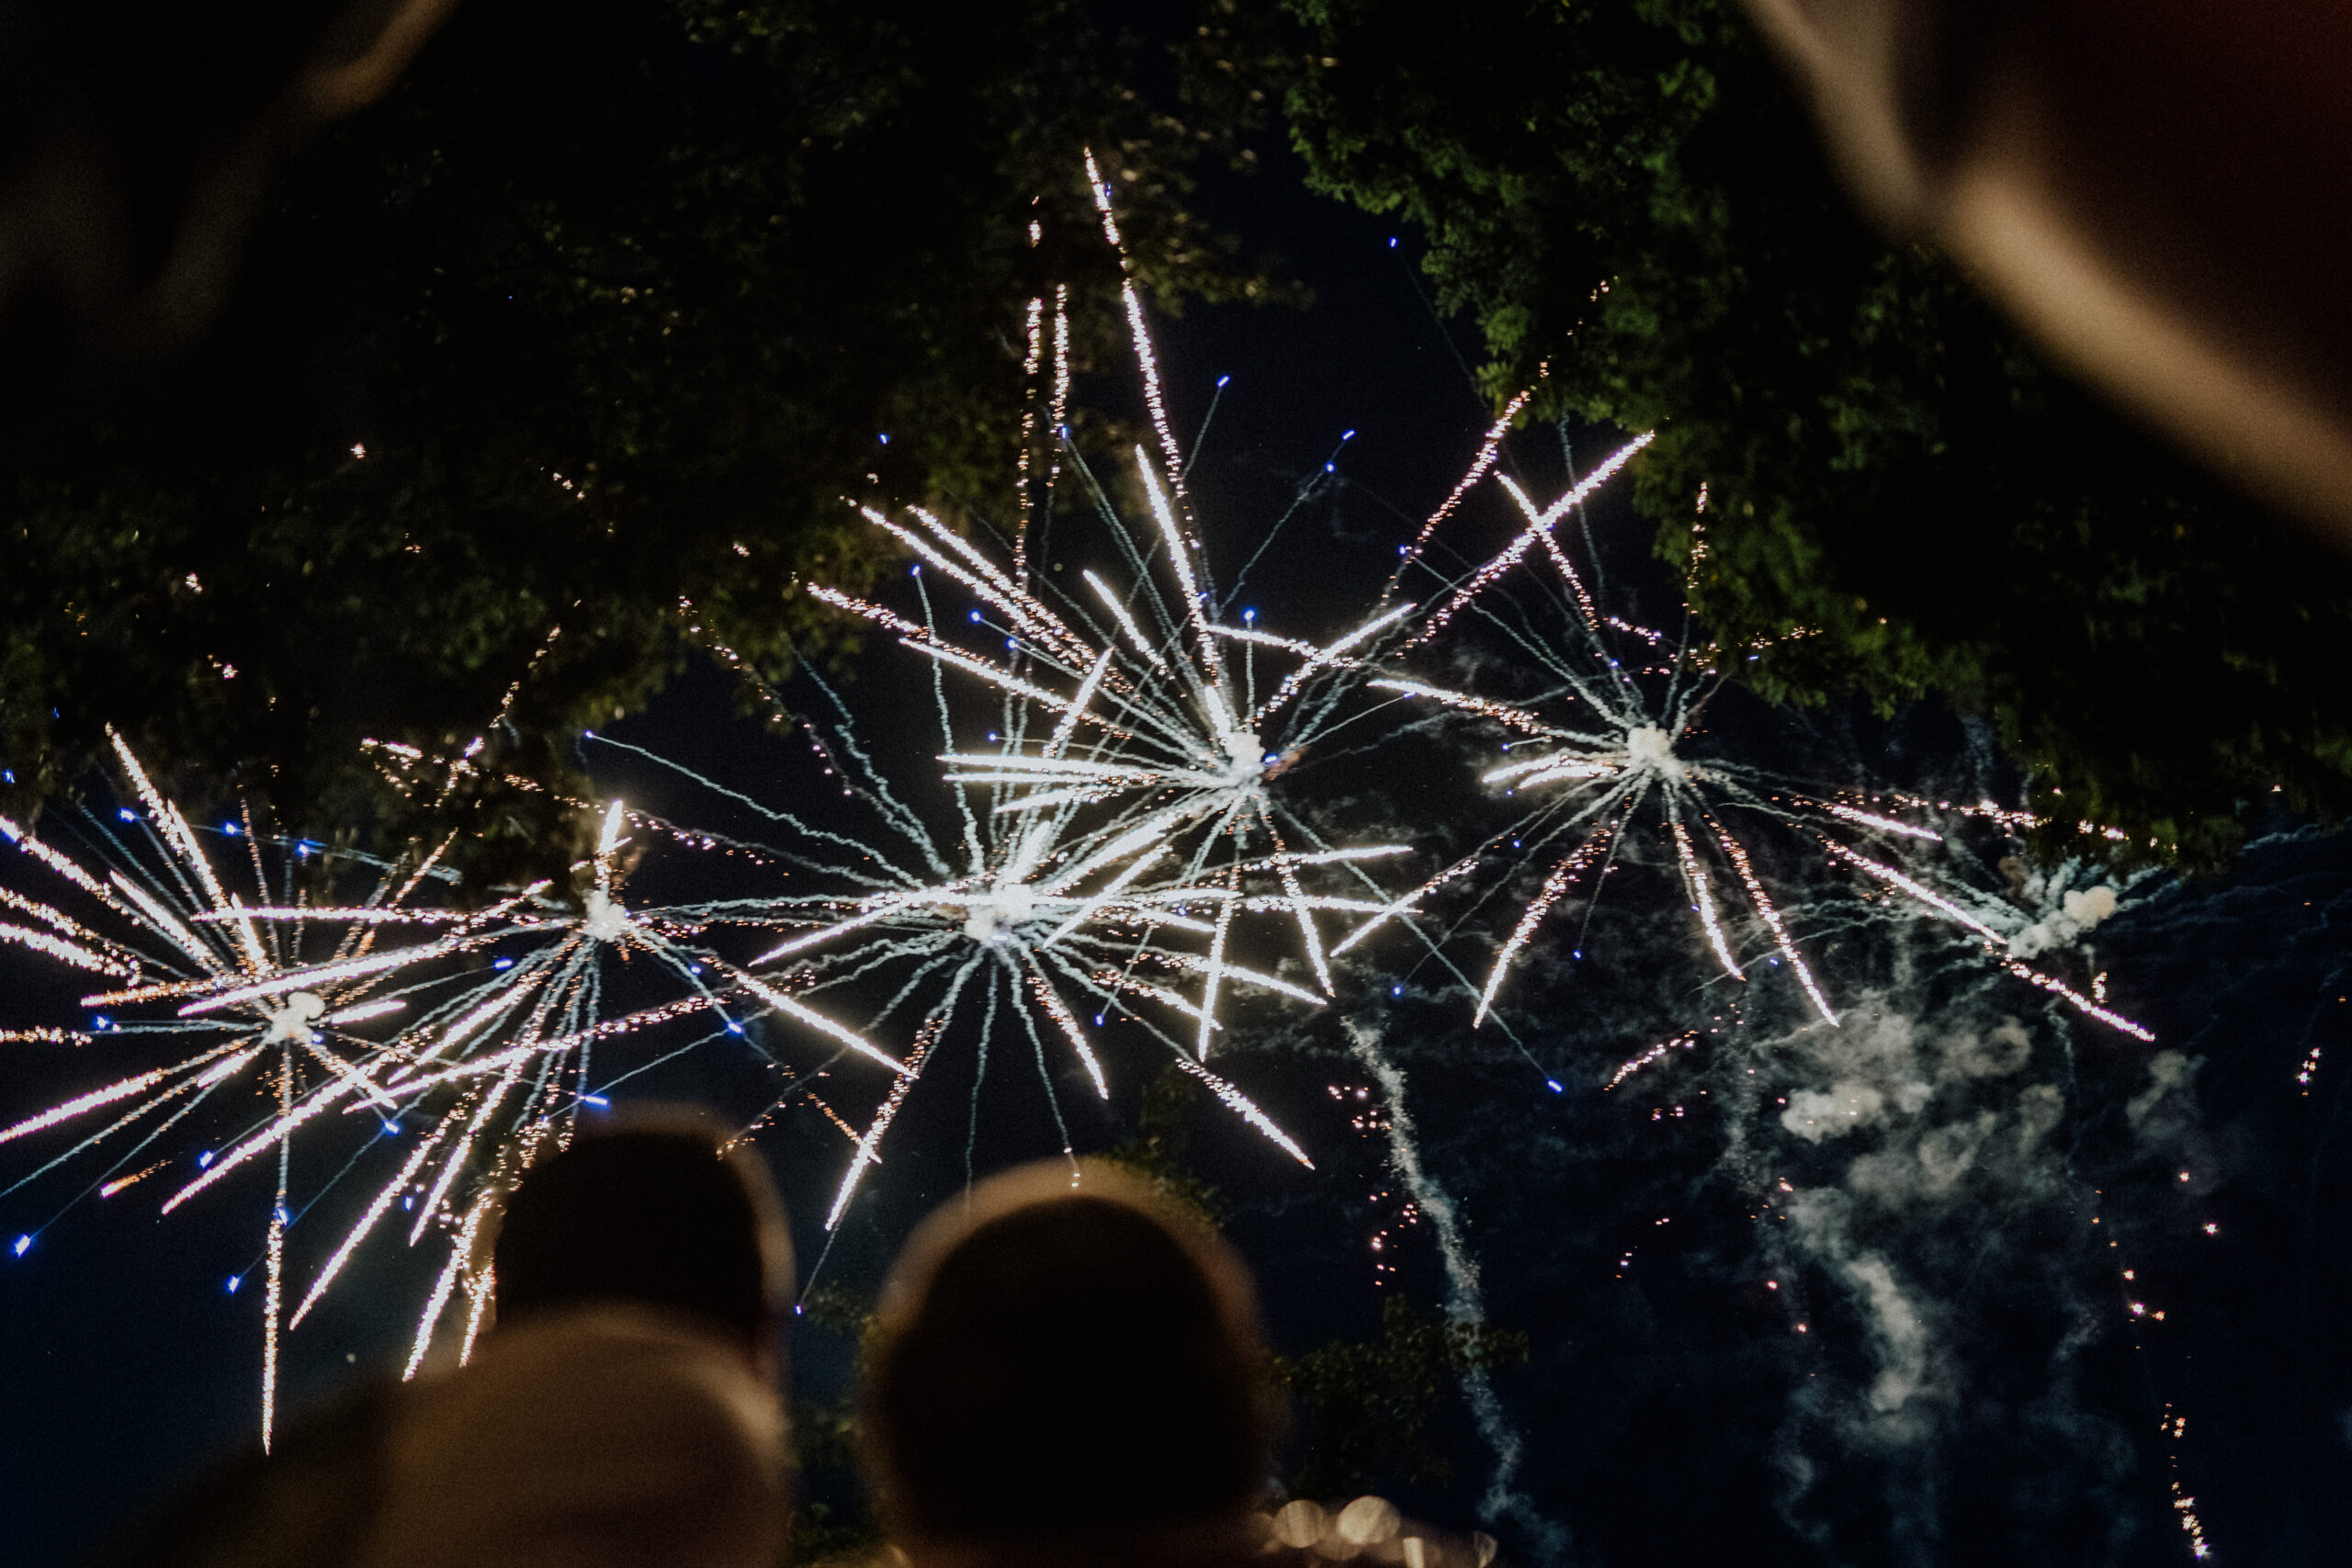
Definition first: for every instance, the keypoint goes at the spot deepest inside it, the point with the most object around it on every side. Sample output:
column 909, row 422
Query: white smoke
column 2075, row 913
column 1464, row 1303
column 1912, row 1163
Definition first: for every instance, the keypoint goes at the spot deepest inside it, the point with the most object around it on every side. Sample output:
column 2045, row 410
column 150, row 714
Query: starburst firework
column 1165, row 723
column 1015, row 914
column 1616, row 744
column 216, row 991
column 496, row 1011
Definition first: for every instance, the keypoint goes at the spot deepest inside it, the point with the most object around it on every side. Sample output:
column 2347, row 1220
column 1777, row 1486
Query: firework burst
column 1020, row 912
column 504, row 1063
column 221, row 982
column 1150, row 720
column 492, row 1016
column 1616, row 745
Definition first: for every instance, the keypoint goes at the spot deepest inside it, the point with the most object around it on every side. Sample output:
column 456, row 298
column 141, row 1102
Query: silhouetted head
column 648, row 1210
column 1058, row 1359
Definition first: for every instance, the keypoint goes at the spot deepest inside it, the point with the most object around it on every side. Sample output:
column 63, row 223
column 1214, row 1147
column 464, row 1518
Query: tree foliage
column 1901, row 496
column 1367, row 1403
column 602, row 312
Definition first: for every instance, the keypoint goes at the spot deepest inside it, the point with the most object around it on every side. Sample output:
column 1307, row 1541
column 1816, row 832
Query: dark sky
column 1971, row 1385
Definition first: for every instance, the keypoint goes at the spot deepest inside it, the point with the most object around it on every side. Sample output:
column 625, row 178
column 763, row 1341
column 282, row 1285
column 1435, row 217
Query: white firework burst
column 1616, row 744
column 1156, row 718
column 222, row 985
column 1016, row 914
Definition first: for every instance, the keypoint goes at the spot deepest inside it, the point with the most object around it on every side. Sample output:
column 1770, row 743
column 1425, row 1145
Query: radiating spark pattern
column 256, row 987
column 1032, row 914
column 1124, row 834
column 462, row 1030
column 1619, row 741
column 1164, row 732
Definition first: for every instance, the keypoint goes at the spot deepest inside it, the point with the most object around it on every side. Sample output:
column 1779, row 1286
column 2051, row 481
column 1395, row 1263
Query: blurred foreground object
column 1068, row 1370
column 611, row 1436
column 624, row 1414
column 136, row 142
column 651, row 1210
column 2154, row 190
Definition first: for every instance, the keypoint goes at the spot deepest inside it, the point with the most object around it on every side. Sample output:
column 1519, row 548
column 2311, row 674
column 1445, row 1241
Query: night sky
column 1970, row 1384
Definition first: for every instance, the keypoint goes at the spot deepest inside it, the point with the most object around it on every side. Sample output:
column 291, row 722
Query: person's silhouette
column 622, row 1412
column 1068, row 1369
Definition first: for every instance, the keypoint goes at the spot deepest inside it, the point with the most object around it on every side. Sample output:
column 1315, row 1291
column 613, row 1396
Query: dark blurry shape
column 623, row 1414
column 2154, row 189
column 652, row 1211
column 310, row 1503
column 610, row 1437
column 136, row 142
column 1068, row 1370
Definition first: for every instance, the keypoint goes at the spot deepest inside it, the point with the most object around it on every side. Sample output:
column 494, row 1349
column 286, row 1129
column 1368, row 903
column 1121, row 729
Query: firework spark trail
column 1488, row 450
column 1562, row 877
column 1996, row 941
column 1539, row 525
column 1656, row 1053
column 1694, row 877
column 1465, row 1300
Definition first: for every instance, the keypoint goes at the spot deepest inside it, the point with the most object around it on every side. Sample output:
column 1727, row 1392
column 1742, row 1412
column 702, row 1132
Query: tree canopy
column 1901, row 497
column 579, row 338
column 599, row 316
